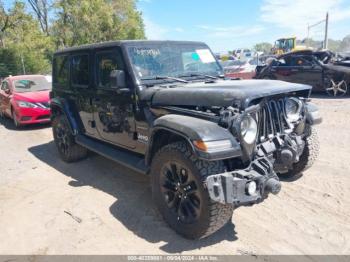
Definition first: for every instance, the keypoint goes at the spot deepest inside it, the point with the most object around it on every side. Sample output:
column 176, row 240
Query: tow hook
column 273, row 186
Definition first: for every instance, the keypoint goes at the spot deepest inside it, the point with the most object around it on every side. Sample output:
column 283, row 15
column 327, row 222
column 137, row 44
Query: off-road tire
column 309, row 155
column 212, row 215
column 70, row 152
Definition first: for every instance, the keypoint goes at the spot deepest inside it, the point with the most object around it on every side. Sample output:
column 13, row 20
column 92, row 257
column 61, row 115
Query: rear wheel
column 178, row 191
column 335, row 88
column 64, row 139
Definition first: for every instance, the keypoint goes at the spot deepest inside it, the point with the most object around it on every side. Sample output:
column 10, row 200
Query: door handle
column 294, row 70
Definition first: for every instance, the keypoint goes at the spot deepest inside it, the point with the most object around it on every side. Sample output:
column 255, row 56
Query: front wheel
column 15, row 121
column 308, row 157
column 64, row 139
column 180, row 195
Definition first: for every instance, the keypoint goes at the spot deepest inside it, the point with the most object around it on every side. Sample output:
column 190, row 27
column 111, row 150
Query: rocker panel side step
column 120, row 156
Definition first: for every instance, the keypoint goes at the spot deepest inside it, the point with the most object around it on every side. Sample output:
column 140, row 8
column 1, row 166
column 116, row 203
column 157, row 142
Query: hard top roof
column 120, row 43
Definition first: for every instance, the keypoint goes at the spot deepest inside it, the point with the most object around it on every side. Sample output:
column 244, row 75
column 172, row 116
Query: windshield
column 32, row 84
column 173, row 60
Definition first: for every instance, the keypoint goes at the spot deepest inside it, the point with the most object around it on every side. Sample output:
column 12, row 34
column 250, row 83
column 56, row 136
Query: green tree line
column 30, row 31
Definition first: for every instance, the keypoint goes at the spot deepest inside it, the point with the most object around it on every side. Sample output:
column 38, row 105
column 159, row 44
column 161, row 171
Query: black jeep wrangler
column 164, row 108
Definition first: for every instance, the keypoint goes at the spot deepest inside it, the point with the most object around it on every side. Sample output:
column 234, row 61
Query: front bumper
column 32, row 115
column 231, row 187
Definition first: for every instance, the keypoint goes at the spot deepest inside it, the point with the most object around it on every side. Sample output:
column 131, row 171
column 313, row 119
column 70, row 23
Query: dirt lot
column 112, row 212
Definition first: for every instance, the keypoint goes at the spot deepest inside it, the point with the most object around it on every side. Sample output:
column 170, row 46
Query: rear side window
column 61, row 70
column 80, row 70
column 107, row 61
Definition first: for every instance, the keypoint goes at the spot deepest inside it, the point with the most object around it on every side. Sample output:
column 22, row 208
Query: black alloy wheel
column 62, row 139
column 180, row 192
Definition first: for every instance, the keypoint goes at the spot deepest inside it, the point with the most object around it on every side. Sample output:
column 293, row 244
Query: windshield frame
column 139, row 81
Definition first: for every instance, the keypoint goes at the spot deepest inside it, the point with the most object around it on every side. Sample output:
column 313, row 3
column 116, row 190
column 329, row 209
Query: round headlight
column 249, row 129
column 293, row 108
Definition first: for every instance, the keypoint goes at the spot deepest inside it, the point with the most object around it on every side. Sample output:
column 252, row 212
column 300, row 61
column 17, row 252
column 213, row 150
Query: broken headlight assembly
column 249, row 129
column 293, row 108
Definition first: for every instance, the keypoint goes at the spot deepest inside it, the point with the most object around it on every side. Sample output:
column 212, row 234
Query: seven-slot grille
column 272, row 119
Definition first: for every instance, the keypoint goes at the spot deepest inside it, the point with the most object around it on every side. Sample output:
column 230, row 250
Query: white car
column 243, row 54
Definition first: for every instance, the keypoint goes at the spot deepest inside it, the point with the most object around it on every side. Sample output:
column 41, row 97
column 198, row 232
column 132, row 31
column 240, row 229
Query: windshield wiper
column 199, row 74
column 165, row 78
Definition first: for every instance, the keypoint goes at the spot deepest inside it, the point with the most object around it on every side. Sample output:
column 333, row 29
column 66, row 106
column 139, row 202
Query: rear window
column 32, row 84
column 61, row 70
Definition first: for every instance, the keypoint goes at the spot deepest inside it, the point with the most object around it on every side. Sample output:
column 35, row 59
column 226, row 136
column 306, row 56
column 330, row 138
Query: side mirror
column 117, row 79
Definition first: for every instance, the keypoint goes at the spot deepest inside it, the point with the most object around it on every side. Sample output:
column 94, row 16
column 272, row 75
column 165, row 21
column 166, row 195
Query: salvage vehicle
column 209, row 144
column 25, row 99
column 307, row 67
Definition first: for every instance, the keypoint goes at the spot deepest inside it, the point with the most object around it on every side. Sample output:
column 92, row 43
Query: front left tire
column 178, row 190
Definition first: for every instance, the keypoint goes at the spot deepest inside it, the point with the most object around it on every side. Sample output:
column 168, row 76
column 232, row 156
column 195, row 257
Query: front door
column 113, row 111
column 309, row 71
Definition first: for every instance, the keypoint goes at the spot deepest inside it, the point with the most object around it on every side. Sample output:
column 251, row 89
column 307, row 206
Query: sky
column 227, row 24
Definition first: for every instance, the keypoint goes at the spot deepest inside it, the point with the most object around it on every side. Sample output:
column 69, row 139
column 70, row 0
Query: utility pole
column 325, row 43
column 308, row 36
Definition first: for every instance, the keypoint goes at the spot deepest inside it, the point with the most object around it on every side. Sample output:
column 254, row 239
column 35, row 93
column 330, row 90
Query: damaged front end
column 272, row 136
column 246, row 186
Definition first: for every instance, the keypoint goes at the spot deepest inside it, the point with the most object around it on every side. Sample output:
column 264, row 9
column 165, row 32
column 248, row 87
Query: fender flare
column 312, row 114
column 195, row 129
column 63, row 106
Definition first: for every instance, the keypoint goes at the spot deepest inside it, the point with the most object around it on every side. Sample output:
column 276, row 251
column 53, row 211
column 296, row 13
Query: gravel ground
column 98, row 207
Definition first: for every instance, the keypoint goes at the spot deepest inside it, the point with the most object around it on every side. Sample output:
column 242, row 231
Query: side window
column 80, row 70
column 301, row 61
column 61, row 70
column 280, row 62
column 108, row 61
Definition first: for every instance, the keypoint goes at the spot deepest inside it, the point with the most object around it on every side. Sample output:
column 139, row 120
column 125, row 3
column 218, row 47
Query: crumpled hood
column 33, row 97
column 224, row 93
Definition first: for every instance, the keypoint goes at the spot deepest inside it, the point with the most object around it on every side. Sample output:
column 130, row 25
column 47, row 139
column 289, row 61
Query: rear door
column 113, row 111
column 82, row 84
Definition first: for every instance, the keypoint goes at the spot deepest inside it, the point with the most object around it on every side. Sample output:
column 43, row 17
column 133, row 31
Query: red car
column 25, row 99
